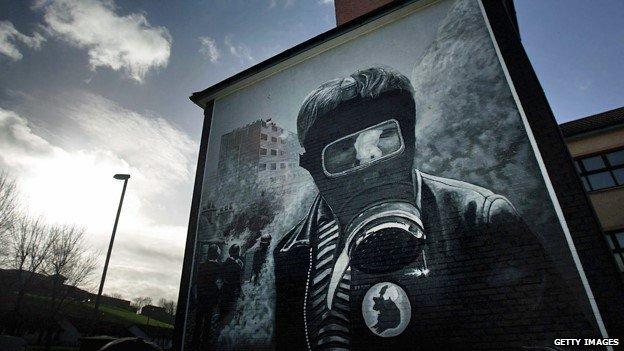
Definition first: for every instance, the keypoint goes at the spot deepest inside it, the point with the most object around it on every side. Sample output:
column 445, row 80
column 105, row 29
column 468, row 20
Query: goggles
column 362, row 149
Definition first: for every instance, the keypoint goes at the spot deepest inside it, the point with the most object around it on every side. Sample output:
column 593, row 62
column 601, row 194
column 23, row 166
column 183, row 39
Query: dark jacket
column 490, row 283
column 207, row 275
column 232, row 273
column 259, row 258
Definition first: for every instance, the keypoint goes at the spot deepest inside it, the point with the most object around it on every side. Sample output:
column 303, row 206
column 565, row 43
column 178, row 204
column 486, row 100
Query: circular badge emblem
column 386, row 309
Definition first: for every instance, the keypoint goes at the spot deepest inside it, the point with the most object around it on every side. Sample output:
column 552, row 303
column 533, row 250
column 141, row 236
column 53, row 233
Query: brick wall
column 602, row 275
column 347, row 10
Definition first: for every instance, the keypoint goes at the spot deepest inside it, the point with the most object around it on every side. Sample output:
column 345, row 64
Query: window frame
column 615, row 247
column 608, row 168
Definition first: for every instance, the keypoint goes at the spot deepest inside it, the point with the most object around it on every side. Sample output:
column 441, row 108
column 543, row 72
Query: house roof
column 592, row 123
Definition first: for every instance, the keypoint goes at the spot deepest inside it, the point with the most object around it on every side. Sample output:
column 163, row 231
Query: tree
column 141, row 301
column 28, row 243
column 32, row 248
column 116, row 296
column 69, row 256
column 10, row 202
column 70, row 265
column 168, row 305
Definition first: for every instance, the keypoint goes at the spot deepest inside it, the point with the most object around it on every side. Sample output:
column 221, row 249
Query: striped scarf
column 326, row 329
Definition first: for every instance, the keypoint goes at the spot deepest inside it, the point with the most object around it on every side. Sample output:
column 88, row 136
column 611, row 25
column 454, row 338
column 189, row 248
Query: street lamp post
column 125, row 178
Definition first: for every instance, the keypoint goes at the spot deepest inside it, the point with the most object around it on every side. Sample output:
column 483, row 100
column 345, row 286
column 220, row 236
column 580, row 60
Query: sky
column 576, row 48
column 91, row 88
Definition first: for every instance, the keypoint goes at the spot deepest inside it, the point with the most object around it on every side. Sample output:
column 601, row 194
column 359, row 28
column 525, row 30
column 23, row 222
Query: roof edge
column 196, row 97
column 602, row 120
column 337, row 31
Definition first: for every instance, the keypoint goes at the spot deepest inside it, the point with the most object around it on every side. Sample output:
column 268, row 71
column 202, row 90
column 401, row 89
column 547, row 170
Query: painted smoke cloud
column 467, row 124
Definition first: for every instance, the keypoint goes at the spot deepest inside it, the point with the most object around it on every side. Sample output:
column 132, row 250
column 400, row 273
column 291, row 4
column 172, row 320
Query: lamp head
column 121, row 176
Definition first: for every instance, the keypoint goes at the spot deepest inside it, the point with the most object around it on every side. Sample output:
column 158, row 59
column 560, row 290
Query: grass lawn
column 111, row 314
column 130, row 317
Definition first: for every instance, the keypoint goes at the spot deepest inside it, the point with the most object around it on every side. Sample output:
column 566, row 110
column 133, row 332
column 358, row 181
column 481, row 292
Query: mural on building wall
column 387, row 201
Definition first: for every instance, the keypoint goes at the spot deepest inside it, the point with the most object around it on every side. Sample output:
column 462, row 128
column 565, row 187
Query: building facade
column 156, row 312
column 597, row 145
column 262, row 154
column 459, row 226
column 262, row 148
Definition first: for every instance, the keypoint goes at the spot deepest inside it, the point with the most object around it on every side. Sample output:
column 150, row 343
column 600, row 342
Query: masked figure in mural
column 231, row 274
column 389, row 257
column 208, row 274
column 259, row 257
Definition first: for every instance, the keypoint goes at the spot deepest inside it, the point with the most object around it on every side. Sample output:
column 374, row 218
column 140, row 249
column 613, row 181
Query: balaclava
column 359, row 150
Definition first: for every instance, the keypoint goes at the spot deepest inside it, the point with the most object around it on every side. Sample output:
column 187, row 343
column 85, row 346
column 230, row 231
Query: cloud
column 462, row 98
column 9, row 36
column 17, row 138
column 582, row 85
column 55, row 182
column 127, row 43
column 240, row 51
column 326, row 2
column 209, row 49
column 75, row 185
column 149, row 142
column 286, row 3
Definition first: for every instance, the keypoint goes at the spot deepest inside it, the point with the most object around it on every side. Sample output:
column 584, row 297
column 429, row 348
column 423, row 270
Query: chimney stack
column 346, row 10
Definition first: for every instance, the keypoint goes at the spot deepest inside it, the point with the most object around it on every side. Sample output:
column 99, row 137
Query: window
column 274, row 139
column 274, row 128
column 615, row 239
column 262, row 167
column 263, row 136
column 273, row 152
column 616, row 157
column 264, row 125
column 273, row 166
column 281, row 153
column 263, row 151
column 282, row 165
column 281, row 141
column 602, row 171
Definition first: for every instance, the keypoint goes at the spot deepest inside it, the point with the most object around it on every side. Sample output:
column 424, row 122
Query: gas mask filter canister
column 384, row 238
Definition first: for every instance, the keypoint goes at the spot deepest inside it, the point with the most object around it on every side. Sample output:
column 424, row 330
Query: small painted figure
column 232, row 274
column 208, row 274
column 260, row 257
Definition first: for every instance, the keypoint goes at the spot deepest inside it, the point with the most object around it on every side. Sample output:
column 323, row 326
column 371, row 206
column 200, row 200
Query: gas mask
column 361, row 161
